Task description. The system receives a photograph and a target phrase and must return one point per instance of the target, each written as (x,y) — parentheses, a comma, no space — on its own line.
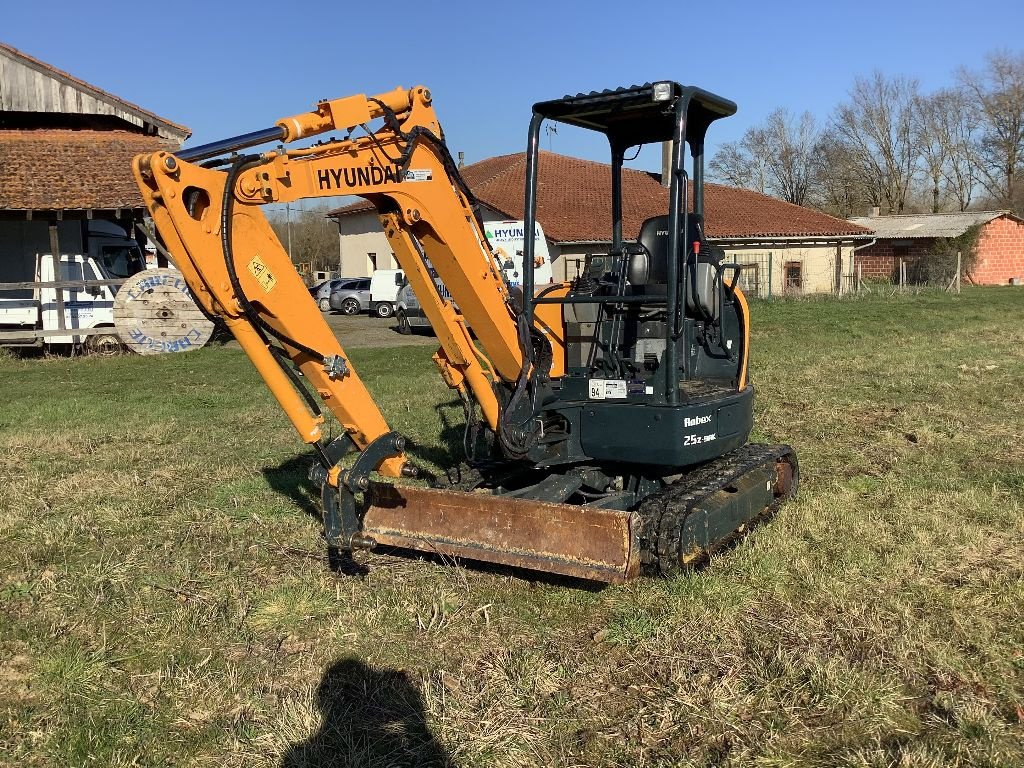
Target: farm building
(65,159)
(788,249)
(912,239)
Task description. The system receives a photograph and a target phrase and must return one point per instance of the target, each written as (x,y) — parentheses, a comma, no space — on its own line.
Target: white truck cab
(384,285)
(107,253)
(84,308)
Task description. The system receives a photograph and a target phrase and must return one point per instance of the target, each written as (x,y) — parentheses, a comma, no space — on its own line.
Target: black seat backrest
(654,238)
(700,272)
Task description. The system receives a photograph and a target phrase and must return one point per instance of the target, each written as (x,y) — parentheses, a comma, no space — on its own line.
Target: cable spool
(155,314)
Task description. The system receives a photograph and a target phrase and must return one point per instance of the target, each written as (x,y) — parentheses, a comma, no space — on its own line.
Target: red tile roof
(60,74)
(574,202)
(59,169)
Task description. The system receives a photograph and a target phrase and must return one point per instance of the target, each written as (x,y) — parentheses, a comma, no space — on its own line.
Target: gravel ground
(367,331)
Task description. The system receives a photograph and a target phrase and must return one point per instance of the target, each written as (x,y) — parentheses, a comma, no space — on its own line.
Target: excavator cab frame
(664,111)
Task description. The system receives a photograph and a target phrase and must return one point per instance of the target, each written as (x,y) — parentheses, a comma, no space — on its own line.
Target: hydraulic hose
(227,206)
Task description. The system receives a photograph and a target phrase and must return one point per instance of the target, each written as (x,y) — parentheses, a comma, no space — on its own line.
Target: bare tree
(314,237)
(997,93)
(789,150)
(841,188)
(775,158)
(944,127)
(875,126)
(961,128)
(736,165)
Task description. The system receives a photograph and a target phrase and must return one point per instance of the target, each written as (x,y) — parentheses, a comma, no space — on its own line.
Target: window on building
(756,269)
(749,280)
(373,261)
(792,274)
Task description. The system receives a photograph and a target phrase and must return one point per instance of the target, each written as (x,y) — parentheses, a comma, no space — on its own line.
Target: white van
(507,239)
(384,285)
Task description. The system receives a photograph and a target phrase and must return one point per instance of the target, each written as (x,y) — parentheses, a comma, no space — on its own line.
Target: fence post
(769,274)
(903,276)
(839,269)
(55,255)
(860,278)
(958,267)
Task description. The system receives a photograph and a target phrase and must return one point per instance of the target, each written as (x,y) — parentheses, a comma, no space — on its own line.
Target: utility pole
(288,218)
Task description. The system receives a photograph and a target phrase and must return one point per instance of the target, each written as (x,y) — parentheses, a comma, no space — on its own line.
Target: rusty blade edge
(607,575)
(593,544)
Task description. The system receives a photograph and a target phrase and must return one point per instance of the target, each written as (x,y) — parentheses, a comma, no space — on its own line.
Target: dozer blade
(582,542)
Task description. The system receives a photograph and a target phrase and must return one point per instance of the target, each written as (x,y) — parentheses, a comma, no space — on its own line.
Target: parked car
(321,292)
(351,299)
(384,285)
(409,311)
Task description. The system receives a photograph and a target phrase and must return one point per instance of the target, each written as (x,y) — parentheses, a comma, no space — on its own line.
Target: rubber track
(663,514)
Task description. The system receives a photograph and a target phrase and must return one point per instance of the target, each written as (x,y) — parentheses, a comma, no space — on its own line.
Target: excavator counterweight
(614,408)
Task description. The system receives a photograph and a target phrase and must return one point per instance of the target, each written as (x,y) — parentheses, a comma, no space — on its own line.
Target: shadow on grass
(291,479)
(368,717)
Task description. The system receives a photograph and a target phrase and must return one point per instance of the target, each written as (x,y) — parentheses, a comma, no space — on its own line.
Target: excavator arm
(208,213)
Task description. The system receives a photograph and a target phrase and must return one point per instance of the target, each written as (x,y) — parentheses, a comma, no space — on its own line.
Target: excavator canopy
(640,114)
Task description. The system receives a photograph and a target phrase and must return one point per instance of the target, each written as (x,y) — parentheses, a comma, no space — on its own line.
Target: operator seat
(647,271)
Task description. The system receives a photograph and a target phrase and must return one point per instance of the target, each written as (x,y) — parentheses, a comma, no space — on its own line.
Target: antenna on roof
(549,129)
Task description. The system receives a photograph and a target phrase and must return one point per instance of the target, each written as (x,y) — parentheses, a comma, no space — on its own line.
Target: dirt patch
(366,331)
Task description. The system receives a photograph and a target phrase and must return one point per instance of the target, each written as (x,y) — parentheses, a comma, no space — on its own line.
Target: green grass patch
(165,597)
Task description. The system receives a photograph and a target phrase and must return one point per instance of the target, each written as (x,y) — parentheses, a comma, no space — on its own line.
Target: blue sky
(224,68)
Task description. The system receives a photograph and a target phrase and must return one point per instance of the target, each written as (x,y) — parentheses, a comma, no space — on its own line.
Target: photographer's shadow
(368,718)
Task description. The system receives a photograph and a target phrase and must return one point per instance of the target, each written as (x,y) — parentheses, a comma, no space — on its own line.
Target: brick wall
(881,261)
(1000,252)
(1000,255)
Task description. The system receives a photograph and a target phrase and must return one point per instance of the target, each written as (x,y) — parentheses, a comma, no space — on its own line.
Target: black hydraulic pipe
(530,215)
(617,157)
(676,210)
(233,144)
(698,181)
(654,301)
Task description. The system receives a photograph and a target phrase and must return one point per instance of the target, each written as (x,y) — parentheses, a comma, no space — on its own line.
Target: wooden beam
(33,333)
(55,255)
(65,284)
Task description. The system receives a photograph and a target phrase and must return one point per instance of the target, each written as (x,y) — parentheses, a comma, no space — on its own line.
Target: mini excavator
(607,417)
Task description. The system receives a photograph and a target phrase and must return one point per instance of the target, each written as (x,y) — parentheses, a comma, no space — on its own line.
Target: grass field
(164,598)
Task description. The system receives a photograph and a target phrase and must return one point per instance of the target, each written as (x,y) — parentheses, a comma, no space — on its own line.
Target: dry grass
(165,599)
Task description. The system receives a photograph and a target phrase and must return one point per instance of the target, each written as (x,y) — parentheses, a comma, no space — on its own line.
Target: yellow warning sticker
(262,274)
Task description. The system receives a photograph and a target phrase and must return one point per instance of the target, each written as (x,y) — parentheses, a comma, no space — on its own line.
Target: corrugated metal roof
(926,225)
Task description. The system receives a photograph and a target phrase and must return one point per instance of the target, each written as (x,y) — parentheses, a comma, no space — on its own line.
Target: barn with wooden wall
(65,158)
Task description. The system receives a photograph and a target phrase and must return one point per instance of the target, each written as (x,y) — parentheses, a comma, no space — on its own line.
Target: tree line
(893,146)
(308,236)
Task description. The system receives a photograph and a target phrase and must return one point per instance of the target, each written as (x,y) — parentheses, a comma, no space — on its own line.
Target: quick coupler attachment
(341,510)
